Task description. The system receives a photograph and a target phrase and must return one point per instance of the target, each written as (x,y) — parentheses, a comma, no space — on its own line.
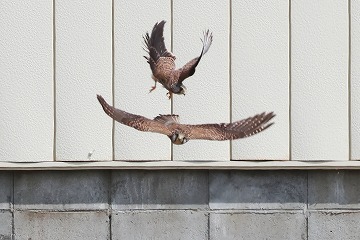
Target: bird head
(179,89)
(178,138)
(183,89)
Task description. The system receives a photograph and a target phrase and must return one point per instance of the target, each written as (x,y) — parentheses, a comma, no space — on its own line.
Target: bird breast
(164,67)
(180,133)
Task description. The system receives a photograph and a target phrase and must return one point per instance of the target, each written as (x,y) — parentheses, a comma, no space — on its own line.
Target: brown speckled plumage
(180,133)
(162,62)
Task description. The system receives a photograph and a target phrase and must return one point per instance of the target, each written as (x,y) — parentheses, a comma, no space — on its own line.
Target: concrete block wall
(179,204)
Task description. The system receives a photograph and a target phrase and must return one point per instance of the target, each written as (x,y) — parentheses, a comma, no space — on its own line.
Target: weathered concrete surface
(62,190)
(167,224)
(334,225)
(334,189)
(174,204)
(61,225)
(6,183)
(172,189)
(258,225)
(5,225)
(257,189)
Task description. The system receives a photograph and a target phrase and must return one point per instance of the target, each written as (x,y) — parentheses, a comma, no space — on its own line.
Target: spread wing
(228,131)
(155,45)
(135,121)
(189,68)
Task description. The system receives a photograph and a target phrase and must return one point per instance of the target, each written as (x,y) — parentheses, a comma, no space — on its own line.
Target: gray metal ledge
(156,165)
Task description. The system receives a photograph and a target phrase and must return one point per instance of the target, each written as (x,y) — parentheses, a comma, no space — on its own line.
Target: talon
(152,88)
(169,95)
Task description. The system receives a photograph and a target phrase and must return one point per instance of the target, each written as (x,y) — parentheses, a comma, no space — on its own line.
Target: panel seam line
(349,79)
(230,75)
(54,80)
(172,50)
(113,77)
(290,80)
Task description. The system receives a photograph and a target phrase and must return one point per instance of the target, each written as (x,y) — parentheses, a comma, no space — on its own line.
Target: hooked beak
(183,89)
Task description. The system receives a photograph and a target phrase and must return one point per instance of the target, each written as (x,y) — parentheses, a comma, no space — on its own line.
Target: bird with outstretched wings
(162,61)
(180,133)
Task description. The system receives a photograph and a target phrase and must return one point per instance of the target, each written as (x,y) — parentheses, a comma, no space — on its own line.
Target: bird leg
(169,95)
(153,87)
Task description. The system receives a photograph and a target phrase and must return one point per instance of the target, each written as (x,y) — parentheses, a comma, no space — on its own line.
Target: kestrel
(181,133)
(162,62)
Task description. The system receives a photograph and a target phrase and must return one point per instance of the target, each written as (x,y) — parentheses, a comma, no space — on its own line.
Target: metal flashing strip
(205,165)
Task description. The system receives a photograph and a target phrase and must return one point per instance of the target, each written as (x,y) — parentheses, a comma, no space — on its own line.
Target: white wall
(83,67)
(319,82)
(26,89)
(290,57)
(355,80)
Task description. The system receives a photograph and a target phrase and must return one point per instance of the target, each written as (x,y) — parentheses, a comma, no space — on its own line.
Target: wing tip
(256,124)
(161,23)
(99,98)
(207,41)
(266,117)
(105,106)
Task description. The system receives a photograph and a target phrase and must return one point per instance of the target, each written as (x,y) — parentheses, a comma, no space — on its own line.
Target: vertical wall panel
(208,95)
(260,75)
(133,78)
(355,80)
(83,69)
(26,98)
(319,87)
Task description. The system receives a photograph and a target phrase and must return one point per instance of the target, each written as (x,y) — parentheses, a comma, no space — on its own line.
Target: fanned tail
(168,118)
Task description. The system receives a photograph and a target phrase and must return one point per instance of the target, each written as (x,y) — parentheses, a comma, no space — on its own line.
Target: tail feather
(168,118)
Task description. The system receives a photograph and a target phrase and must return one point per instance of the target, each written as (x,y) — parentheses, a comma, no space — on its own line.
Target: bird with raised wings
(181,133)
(162,62)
